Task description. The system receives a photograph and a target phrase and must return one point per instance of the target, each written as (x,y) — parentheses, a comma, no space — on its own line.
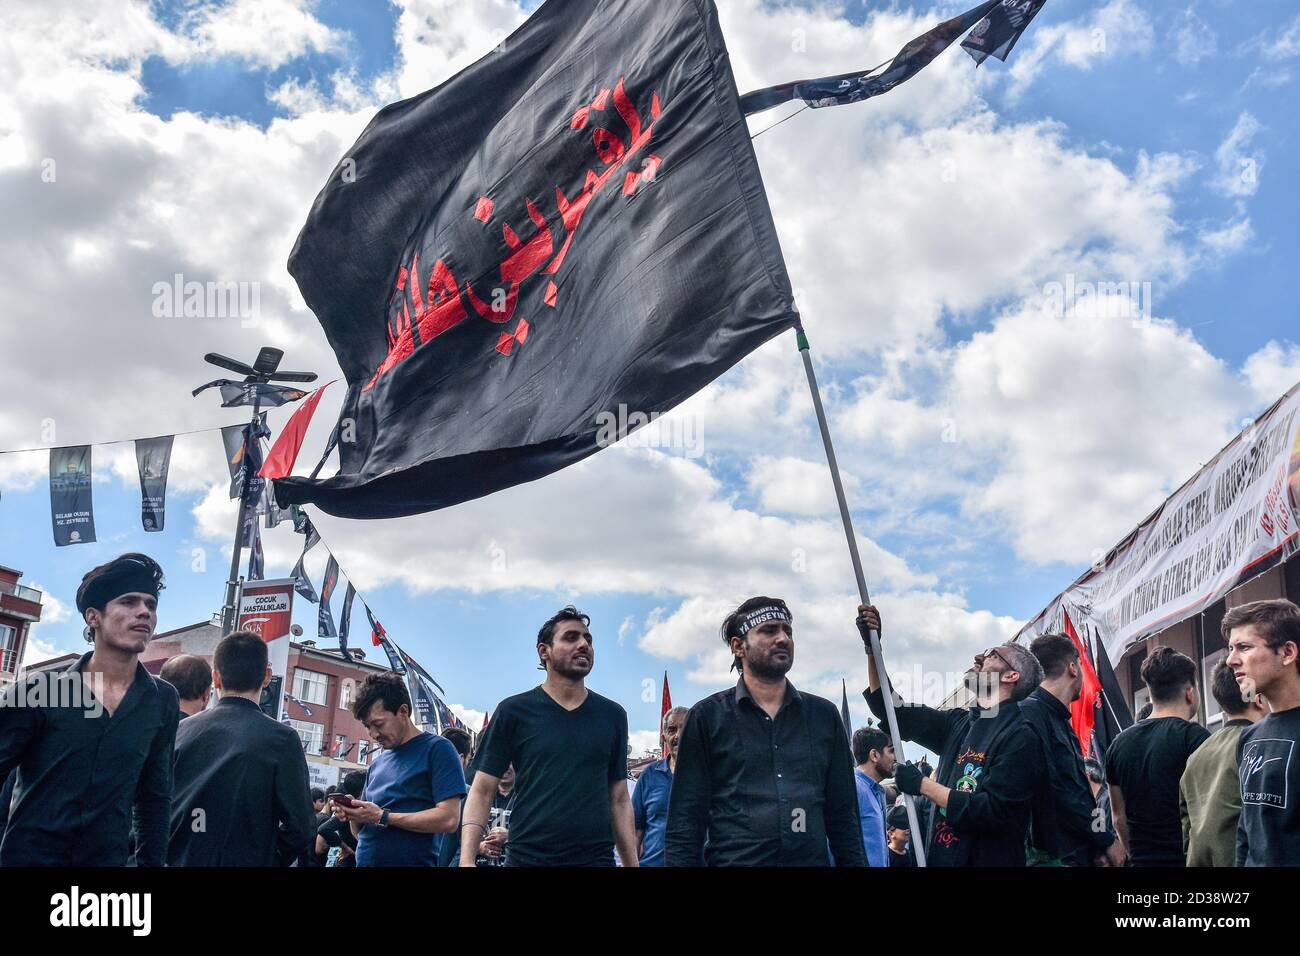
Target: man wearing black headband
(764,775)
(93,743)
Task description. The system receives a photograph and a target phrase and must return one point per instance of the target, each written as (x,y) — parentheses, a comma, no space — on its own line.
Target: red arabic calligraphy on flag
(423,317)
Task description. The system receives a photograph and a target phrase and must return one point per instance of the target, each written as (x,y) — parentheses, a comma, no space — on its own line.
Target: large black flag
(997,33)
(152,458)
(72,509)
(845,88)
(573,224)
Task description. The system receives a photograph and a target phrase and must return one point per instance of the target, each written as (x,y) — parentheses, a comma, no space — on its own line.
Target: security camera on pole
(256,377)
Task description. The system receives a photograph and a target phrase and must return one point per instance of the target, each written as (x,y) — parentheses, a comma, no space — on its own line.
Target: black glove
(865,631)
(908,777)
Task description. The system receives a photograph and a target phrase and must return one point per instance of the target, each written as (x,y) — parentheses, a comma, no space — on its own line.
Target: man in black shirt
(192,678)
(1146,761)
(990,759)
(568,746)
(242,792)
(1068,827)
(1264,652)
(764,776)
(93,743)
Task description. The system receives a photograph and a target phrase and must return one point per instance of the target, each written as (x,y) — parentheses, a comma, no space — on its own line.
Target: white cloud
(1277,45)
(1238,166)
(641,742)
(1272,371)
(1120,28)
(473,719)
(268,33)
(1194,39)
(789,485)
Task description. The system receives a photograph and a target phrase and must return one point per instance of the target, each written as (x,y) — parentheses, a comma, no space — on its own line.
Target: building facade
(320,686)
(20,608)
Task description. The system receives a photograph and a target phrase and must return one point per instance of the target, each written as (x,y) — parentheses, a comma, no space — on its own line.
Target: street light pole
(262,371)
(229,609)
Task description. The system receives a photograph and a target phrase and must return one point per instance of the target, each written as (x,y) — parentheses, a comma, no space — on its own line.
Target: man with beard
(568,746)
(1068,828)
(650,798)
(990,760)
(874,755)
(764,776)
(93,743)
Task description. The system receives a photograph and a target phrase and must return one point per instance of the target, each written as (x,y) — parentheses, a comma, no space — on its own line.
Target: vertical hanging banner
(299,572)
(256,559)
(324,616)
(345,621)
(266,609)
(72,510)
(379,637)
(572,225)
(232,437)
(423,711)
(152,458)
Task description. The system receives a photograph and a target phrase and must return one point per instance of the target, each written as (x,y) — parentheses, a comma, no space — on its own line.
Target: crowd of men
(105,765)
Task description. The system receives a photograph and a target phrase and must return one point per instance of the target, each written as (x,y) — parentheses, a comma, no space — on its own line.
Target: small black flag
(915,56)
(997,33)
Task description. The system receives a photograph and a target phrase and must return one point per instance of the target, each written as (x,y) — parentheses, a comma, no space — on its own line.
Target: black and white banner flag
(152,458)
(72,511)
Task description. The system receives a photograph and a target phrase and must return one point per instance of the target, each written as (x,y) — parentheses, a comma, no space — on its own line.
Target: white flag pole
(887,692)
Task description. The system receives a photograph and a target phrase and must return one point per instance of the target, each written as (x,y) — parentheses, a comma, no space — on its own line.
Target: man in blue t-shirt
(414,787)
(874,755)
(653,787)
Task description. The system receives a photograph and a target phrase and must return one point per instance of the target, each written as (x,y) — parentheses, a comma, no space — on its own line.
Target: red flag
(284,452)
(663,711)
(485,720)
(1084,710)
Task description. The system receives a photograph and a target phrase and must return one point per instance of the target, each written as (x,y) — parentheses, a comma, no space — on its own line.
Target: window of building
(345,694)
(363,752)
(340,746)
(309,686)
(312,734)
(8,649)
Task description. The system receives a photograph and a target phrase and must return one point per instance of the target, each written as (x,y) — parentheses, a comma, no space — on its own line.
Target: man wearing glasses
(990,759)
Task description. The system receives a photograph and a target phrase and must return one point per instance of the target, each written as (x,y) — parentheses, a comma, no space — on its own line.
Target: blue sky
(1125,129)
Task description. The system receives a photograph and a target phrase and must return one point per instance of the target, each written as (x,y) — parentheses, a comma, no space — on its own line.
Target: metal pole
(228,612)
(887,692)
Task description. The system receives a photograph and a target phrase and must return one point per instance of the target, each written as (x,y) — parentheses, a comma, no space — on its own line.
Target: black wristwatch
(383,819)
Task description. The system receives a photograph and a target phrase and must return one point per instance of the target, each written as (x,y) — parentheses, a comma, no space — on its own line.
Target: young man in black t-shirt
(568,746)
(1146,761)
(1264,652)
